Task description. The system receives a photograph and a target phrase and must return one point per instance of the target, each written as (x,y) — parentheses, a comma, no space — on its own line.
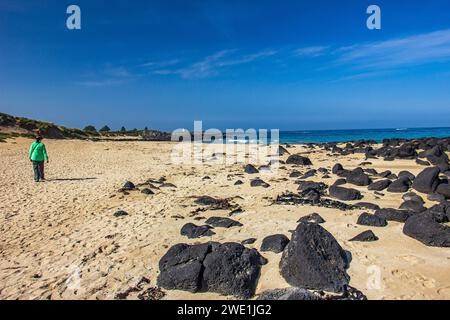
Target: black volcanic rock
(128,186)
(228,269)
(366,236)
(291,293)
(400,185)
(259,183)
(193,231)
(298,160)
(120,213)
(427,181)
(379,185)
(424,228)
(394,214)
(358,177)
(444,190)
(312,218)
(275,243)
(221,222)
(250,169)
(366,219)
(344,194)
(313,259)
(413,206)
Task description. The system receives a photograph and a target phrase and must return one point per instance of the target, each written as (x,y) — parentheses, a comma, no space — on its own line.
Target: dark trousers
(38,168)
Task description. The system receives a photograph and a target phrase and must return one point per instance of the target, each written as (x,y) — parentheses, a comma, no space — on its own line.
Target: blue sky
(237,63)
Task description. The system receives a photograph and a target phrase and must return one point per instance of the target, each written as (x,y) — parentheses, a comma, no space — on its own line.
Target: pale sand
(48,228)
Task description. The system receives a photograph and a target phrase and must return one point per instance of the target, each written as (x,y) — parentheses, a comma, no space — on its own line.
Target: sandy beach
(50,229)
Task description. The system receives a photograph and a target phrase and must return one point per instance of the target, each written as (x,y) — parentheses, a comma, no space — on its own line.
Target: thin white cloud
(407,51)
(160,64)
(311,51)
(213,64)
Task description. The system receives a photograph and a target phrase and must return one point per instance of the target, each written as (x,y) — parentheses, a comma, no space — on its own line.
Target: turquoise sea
(317,136)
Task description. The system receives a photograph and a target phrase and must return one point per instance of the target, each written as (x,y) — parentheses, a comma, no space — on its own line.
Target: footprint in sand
(444,292)
(417,278)
(412,259)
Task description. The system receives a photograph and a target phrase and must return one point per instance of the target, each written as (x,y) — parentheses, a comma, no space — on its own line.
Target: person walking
(37,155)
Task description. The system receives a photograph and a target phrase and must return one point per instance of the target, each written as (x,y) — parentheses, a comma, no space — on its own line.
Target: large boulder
(275,243)
(228,269)
(232,269)
(344,194)
(299,160)
(313,259)
(424,228)
(427,181)
(181,267)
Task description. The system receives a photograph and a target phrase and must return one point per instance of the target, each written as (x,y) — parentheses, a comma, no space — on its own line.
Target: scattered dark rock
(400,185)
(436,197)
(295,174)
(407,174)
(340,182)
(358,178)
(282,151)
(181,267)
(313,259)
(344,194)
(422,162)
(298,160)
(275,243)
(120,213)
(291,293)
(249,241)
(309,174)
(444,190)
(393,214)
(366,219)
(366,236)
(427,181)
(167,185)
(193,231)
(250,169)
(413,206)
(228,269)
(239,182)
(312,218)
(259,183)
(379,185)
(128,186)
(424,228)
(411,196)
(385,174)
(220,222)
(147,191)
(295,199)
(232,269)
(367,205)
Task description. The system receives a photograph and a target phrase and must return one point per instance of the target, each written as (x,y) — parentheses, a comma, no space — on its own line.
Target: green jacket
(38,152)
